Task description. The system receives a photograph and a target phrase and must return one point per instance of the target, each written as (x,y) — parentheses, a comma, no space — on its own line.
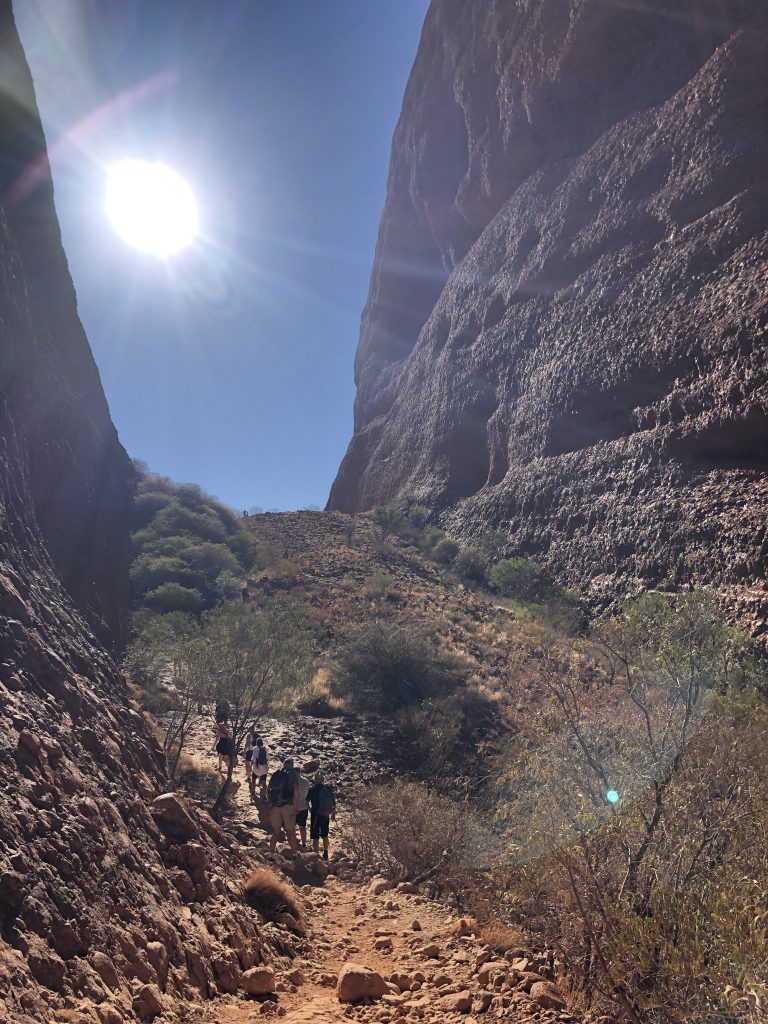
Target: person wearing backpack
(301,816)
(283,805)
(259,769)
(322,804)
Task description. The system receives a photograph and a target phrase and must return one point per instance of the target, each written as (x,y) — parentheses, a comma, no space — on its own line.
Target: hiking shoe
(325,855)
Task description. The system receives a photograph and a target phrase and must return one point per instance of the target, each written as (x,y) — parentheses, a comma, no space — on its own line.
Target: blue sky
(230,365)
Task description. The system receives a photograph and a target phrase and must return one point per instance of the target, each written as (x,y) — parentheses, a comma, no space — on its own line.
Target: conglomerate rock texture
(107,911)
(565,335)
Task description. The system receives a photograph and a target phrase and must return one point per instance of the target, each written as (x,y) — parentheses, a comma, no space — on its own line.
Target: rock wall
(113,904)
(70,473)
(565,331)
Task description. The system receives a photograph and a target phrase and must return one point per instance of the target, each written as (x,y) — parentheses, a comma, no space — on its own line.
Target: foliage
(172,597)
(410,833)
(445,551)
(379,584)
(169,653)
(383,668)
(519,578)
(387,518)
(188,548)
(254,661)
(432,536)
(492,545)
(637,810)
(470,564)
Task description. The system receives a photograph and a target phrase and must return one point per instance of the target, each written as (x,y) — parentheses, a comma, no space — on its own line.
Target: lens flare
(151,207)
(612,796)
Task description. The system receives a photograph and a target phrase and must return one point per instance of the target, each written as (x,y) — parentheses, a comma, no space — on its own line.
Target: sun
(151,207)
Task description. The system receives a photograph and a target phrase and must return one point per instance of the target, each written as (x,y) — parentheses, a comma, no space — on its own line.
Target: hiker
(283,804)
(249,765)
(259,769)
(224,747)
(322,803)
(303,811)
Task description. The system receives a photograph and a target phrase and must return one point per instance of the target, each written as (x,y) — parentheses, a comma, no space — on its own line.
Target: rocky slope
(565,331)
(115,903)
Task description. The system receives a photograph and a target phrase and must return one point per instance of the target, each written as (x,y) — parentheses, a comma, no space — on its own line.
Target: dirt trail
(445,972)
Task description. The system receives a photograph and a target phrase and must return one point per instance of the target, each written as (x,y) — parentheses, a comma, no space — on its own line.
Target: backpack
(325,800)
(249,754)
(280,788)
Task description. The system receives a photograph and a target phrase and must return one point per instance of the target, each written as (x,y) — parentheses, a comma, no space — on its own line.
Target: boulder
(173,818)
(356,982)
(379,885)
(106,970)
(457,1002)
(259,981)
(547,995)
(148,1002)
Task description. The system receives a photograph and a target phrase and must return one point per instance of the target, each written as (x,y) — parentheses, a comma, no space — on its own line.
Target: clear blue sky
(231,365)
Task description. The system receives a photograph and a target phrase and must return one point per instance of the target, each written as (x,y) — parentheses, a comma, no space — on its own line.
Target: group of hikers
(291,797)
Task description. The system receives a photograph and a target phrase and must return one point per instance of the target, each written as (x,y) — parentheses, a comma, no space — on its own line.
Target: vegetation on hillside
(189,551)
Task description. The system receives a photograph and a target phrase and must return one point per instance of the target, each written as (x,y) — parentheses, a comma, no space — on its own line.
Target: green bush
(185,537)
(445,551)
(173,597)
(379,584)
(519,578)
(470,564)
(431,536)
(383,668)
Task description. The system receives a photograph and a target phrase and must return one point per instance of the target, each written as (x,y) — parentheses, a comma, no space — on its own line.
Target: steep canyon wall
(96,880)
(565,334)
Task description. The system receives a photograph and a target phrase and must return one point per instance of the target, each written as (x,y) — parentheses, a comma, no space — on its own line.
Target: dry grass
(197,778)
(502,937)
(272,897)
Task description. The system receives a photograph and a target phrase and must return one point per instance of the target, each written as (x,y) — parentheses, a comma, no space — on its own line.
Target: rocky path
(416,961)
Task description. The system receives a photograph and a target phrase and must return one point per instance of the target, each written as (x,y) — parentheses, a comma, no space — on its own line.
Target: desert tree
(636,801)
(169,653)
(258,659)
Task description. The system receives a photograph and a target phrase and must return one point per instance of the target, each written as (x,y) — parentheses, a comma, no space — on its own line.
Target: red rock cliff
(95,871)
(565,330)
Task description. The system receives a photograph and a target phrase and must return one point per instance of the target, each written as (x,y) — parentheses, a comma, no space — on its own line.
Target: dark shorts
(319,825)
(301,819)
(224,747)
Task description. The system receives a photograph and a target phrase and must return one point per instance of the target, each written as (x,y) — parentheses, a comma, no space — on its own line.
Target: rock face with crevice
(565,331)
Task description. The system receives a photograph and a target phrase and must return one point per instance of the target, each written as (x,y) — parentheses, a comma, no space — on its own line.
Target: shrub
(383,668)
(492,545)
(431,536)
(470,564)
(445,551)
(519,578)
(641,804)
(379,584)
(410,833)
(388,518)
(271,896)
(173,597)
